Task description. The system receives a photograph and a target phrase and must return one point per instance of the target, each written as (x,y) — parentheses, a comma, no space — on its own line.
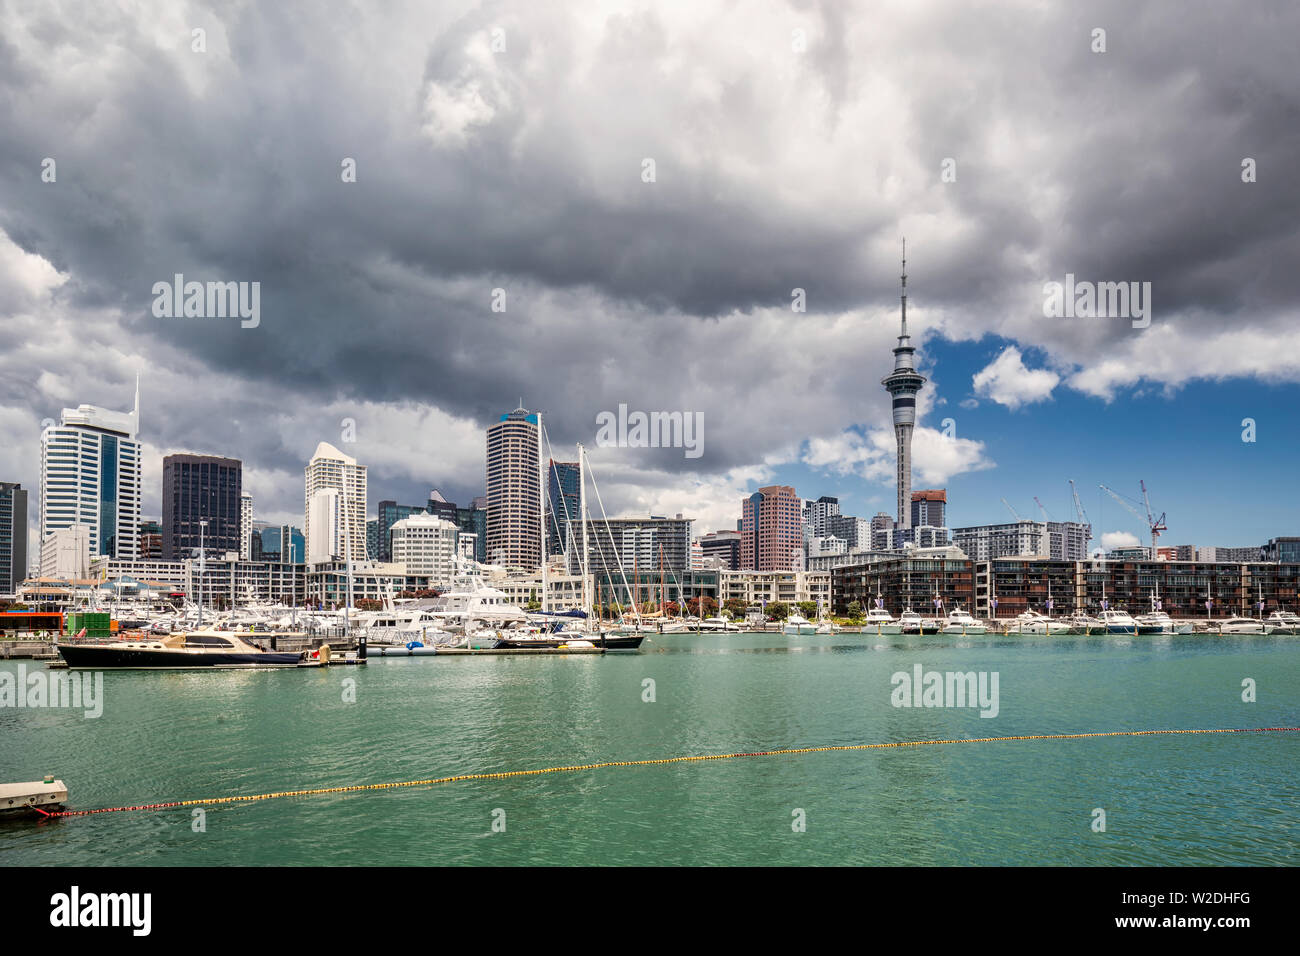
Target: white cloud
(1007,381)
(936,458)
(1119,539)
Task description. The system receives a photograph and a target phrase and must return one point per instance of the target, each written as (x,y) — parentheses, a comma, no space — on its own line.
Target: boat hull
(105,657)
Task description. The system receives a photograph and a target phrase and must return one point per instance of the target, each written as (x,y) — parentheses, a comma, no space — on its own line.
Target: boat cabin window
(205,640)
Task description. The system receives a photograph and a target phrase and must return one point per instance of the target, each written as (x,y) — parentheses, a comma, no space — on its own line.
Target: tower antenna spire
(904,277)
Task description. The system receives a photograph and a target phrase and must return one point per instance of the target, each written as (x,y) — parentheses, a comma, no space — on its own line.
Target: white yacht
(882,622)
(1158,622)
(961,622)
(1118,622)
(1242,625)
(910,622)
(719,624)
(798,624)
(1284,622)
(1032,622)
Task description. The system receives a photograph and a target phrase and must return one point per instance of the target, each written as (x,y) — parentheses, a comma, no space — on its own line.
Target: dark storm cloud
(522,170)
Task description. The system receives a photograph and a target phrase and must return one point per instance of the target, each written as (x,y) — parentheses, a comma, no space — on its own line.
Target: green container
(96,624)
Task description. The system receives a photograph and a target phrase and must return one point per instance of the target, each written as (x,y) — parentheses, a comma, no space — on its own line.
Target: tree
(807,608)
(855,609)
(736,607)
(776,611)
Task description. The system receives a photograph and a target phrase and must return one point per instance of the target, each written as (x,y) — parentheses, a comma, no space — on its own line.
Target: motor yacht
(961,622)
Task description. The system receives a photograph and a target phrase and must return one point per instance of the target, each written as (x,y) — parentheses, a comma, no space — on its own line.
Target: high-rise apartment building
(151,546)
(771,535)
(13,536)
(245,526)
(514,474)
(90,476)
(201,505)
(929,508)
(390,512)
(649,545)
(335,525)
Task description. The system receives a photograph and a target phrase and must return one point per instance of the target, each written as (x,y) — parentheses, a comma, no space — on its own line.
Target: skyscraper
(514,475)
(903,384)
(562,500)
(771,533)
(200,488)
(334,525)
(90,475)
(13,536)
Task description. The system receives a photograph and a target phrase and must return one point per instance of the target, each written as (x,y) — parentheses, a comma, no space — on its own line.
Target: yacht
(1158,622)
(1082,623)
(961,622)
(910,622)
(1117,622)
(1243,625)
(212,649)
(797,624)
(882,622)
(719,624)
(1284,622)
(1032,622)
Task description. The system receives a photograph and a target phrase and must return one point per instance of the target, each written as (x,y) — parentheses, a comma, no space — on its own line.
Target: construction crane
(1012,510)
(1155,524)
(1046,517)
(1078,505)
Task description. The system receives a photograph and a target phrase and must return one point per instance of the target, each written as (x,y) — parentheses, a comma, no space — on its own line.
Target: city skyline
(676,288)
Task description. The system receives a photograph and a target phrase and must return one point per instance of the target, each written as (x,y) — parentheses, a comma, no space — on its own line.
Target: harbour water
(1176,800)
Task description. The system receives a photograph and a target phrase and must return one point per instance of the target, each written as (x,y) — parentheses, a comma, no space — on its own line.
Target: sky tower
(903,384)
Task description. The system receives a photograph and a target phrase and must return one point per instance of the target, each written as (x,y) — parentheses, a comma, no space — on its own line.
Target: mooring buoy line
(505,775)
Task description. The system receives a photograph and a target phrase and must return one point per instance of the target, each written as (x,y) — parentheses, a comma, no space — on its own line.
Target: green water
(1179,800)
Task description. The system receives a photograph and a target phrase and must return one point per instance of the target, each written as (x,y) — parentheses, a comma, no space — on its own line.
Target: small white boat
(961,622)
(1031,622)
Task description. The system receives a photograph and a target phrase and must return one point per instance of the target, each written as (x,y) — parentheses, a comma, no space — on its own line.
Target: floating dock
(49,794)
(476,651)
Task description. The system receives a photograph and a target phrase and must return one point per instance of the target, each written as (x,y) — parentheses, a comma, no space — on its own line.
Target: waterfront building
(563,590)
(327,584)
(771,535)
(621,589)
(91,476)
(340,531)
(514,474)
(151,546)
(245,526)
(722,546)
(1237,555)
(195,489)
(426,545)
(13,536)
(650,543)
(563,498)
(910,579)
(767,587)
(903,384)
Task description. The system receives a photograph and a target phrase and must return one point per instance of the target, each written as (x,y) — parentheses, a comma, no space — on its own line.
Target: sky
(583,206)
